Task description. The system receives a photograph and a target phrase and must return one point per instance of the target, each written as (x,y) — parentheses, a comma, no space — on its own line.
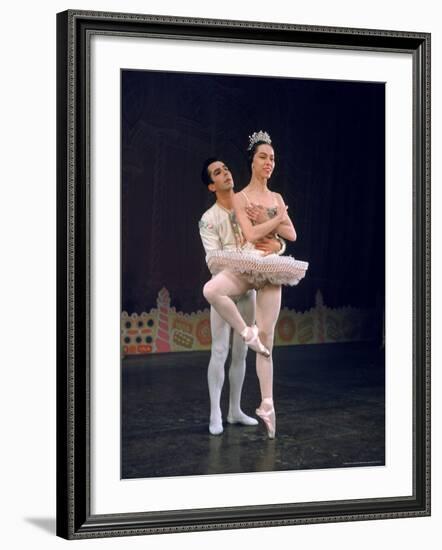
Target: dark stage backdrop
(329,140)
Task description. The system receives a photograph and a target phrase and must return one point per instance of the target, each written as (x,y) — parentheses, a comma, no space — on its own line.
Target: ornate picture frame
(76,518)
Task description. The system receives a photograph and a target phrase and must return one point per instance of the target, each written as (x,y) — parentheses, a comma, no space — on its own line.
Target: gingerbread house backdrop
(164,330)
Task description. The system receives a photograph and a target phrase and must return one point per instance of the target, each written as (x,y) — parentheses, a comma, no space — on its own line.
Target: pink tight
(218,292)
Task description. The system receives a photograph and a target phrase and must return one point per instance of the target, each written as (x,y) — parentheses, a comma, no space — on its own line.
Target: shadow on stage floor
(329,400)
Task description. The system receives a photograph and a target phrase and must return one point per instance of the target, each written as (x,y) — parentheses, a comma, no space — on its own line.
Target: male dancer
(219,230)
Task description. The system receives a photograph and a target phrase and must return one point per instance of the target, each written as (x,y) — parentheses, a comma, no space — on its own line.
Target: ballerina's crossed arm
(280,224)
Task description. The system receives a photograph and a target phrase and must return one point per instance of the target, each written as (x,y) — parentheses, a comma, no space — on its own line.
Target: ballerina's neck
(258,183)
(258,194)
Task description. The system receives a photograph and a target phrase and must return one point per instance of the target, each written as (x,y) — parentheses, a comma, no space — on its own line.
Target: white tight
(218,292)
(221,331)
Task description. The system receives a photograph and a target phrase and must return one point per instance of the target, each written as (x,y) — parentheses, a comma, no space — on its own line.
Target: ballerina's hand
(256,213)
(282,212)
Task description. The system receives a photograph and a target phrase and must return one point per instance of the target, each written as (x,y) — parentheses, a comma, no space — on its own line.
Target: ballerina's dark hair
(251,152)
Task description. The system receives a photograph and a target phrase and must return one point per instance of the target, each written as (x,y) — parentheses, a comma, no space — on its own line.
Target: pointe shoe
(269,419)
(254,342)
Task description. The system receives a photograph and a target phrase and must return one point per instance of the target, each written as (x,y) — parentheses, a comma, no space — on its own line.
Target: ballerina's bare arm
(285,229)
(253,233)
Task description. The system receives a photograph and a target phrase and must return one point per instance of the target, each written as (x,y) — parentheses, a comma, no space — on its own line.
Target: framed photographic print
(243,274)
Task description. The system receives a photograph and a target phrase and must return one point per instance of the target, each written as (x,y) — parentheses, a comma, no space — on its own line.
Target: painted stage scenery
(252,266)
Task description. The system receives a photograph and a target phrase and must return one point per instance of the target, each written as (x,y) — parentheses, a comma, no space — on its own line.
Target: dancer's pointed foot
(266,412)
(251,338)
(241,418)
(216,425)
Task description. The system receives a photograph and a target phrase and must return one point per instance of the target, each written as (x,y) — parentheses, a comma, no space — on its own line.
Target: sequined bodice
(271,210)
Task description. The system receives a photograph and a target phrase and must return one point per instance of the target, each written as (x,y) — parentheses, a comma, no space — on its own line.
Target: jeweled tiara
(258,136)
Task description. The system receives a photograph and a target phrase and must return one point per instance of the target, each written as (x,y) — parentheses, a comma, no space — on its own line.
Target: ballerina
(217,232)
(236,271)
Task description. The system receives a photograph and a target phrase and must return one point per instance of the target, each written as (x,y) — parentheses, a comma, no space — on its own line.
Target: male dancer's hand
(268,245)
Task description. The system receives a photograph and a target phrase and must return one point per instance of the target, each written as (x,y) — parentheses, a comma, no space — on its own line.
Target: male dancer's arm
(211,239)
(209,235)
(271,245)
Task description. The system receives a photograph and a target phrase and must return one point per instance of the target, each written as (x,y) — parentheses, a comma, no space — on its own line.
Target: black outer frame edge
(426,239)
(421,276)
(214,28)
(202,520)
(252,31)
(62,286)
(81,289)
(72,379)
(76,522)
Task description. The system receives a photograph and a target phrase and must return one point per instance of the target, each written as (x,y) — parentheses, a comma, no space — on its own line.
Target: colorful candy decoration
(163,304)
(203,333)
(164,329)
(137,333)
(286,328)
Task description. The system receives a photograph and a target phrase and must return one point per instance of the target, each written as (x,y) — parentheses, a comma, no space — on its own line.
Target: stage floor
(329,400)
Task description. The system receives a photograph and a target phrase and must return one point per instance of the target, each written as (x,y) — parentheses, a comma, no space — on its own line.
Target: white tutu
(256,268)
